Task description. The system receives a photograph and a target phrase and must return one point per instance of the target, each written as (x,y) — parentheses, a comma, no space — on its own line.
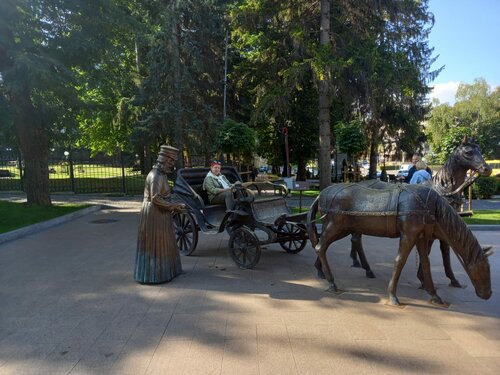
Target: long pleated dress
(157,258)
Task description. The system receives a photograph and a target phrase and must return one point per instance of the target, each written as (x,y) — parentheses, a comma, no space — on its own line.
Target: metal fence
(77,171)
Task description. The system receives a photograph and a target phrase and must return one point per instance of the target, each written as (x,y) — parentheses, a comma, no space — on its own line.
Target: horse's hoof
(394,301)
(333,289)
(437,301)
(355,263)
(455,284)
(370,274)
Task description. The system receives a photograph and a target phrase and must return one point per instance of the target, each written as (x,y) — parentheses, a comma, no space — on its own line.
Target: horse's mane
(458,234)
(443,180)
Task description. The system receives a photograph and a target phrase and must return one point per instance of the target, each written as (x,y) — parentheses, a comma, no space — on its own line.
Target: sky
(466,36)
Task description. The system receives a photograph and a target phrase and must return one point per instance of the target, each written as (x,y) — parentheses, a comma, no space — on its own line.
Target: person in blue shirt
(414,159)
(421,175)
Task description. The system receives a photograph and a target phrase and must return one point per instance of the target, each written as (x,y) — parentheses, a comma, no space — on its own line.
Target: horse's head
(479,274)
(470,157)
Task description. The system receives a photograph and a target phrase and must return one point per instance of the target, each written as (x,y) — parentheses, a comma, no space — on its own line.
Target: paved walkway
(69,305)
(131,201)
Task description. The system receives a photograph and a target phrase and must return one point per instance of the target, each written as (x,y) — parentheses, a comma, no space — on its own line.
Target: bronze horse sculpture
(450,181)
(414,213)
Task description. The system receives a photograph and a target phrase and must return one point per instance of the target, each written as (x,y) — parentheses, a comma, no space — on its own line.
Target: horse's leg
(357,246)
(423,251)
(328,235)
(319,268)
(355,240)
(326,269)
(420,273)
(405,246)
(445,253)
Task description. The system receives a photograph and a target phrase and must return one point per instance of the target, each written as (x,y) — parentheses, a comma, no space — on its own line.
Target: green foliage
(237,139)
(351,137)
(486,187)
(134,74)
(181,89)
(451,141)
(46,47)
(476,113)
(483,188)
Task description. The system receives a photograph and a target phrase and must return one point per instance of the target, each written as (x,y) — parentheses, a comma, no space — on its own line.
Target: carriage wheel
(293,230)
(244,247)
(186,232)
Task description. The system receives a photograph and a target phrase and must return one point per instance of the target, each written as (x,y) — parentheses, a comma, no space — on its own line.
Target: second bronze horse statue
(414,213)
(450,181)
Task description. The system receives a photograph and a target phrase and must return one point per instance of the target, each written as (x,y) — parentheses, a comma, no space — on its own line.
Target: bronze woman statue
(157,258)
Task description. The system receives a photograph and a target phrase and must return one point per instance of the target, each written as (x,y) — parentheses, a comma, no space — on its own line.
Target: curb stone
(38,227)
(483,227)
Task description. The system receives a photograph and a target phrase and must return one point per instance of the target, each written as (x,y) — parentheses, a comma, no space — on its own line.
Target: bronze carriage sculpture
(259,218)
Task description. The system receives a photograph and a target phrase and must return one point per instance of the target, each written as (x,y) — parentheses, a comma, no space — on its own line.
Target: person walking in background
(421,174)
(414,159)
(157,258)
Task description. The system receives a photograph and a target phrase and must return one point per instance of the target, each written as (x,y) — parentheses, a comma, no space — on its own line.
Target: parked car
(263,169)
(403,170)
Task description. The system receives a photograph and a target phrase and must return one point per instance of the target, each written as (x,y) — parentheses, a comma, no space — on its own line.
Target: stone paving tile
(181,327)
(240,357)
(22,358)
(473,342)
(314,355)
(169,357)
(204,357)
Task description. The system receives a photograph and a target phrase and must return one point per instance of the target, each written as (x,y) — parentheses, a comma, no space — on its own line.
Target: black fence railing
(77,171)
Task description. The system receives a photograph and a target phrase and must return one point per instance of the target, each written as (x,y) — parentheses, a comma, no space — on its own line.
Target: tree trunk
(176,45)
(34,144)
(325,137)
(372,173)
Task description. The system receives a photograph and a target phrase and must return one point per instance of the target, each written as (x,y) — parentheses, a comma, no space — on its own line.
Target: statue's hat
(168,151)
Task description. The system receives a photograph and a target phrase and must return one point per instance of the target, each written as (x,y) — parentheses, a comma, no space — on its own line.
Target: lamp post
(287,152)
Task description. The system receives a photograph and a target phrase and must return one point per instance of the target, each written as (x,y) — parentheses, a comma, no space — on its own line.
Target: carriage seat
(195,181)
(194,178)
(268,210)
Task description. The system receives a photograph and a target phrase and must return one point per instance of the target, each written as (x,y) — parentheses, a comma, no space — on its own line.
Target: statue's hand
(179,207)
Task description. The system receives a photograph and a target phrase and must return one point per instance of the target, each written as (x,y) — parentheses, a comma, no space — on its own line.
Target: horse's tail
(311,223)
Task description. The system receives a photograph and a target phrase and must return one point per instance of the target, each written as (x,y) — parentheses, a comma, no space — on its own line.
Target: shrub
(486,187)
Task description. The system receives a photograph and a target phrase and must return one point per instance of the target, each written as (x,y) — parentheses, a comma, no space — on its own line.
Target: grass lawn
(17,215)
(484,217)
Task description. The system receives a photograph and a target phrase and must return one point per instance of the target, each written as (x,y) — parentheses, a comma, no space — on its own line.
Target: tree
(181,91)
(350,137)
(389,69)
(237,139)
(475,113)
(43,46)
(374,64)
